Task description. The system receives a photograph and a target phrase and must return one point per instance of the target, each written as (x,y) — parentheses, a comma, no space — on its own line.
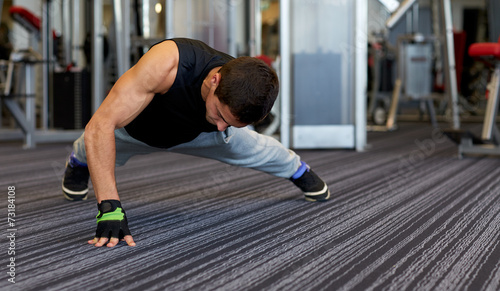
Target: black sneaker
(75,182)
(314,188)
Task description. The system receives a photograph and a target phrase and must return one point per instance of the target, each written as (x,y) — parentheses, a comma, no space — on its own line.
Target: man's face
(219,114)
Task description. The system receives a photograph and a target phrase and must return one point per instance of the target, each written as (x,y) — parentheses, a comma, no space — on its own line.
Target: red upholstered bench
(485,49)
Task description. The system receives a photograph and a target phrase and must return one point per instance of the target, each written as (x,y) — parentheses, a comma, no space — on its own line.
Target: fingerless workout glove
(111,220)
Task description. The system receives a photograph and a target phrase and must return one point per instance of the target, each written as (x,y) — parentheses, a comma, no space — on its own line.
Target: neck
(207,83)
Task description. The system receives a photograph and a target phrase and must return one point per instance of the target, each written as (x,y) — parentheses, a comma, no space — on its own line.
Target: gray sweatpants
(235,146)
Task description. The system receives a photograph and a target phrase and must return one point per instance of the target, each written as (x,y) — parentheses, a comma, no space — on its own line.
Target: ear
(216,79)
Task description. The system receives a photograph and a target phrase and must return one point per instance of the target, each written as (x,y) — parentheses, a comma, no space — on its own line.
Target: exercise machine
(414,53)
(18,82)
(489,141)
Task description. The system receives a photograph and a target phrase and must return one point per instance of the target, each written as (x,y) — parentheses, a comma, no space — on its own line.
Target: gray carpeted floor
(405,215)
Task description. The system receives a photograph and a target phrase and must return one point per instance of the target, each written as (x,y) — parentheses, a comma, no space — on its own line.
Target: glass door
(324,53)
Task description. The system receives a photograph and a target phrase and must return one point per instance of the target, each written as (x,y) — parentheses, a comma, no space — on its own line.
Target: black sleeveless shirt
(178,116)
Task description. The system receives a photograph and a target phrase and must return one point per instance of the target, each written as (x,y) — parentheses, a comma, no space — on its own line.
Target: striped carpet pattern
(406,214)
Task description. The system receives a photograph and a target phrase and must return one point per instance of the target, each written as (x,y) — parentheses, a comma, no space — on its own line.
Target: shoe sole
(75,195)
(316,196)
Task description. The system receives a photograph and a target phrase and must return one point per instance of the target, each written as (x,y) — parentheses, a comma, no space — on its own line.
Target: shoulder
(184,43)
(189,48)
(158,66)
(166,50)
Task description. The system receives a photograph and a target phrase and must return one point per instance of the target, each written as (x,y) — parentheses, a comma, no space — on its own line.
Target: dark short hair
(249,87)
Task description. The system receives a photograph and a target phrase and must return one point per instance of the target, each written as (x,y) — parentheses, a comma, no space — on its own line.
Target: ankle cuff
(302,169)
(75,162)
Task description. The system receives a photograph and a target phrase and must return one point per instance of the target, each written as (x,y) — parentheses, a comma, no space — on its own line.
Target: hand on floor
(112,225)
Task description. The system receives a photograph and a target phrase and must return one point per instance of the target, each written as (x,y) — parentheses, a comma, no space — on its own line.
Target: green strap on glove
(117,214)
(111,220)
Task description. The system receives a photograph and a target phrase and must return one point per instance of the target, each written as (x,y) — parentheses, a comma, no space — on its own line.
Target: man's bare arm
(154,73)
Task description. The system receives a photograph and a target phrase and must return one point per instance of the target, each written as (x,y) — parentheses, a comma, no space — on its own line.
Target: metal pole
(75,24)
(258,29)
(30,106)
(211,24)
(360,12)
(415,17)
(126,35)
(437,42)
(146,26)
(119,43)
(409,22)
(450,72)
(97,55)
(285,92)
(66,31)
(169,18)
(255,31)
(47,50)
(231,29)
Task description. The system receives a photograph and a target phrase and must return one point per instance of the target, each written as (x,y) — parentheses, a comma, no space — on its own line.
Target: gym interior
(393,103)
